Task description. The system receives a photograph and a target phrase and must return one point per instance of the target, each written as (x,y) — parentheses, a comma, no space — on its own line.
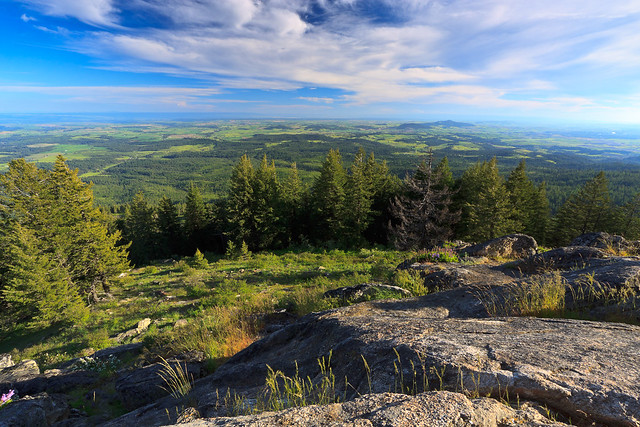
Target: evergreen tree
(385,187)
(292,207)
(169,229)
(423,216)
(265,207)
(443,172)
(138,227)
(587,210)
(529,204)
(240,201)
(540,218)
(195,220)
(627,219)
(521,195)
(328,198)
(359,199)
(57,248)
(484,202)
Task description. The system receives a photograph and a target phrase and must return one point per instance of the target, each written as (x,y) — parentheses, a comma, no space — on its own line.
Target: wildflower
(6,398)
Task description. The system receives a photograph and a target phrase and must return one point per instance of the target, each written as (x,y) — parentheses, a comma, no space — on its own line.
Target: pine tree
(586,211)
(138,227)
(195,220)
(240,201)
(484,201)
(328,198)
(521,195)
(628,218)
(385,187)
(57,248)
(291,207)
(358,201)
(265,207)
(443,172)
(540,218)
(423,216)
(529,204)
(171,238)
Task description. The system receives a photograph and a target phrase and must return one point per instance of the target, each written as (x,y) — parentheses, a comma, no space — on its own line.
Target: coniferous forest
(60,249)
(362,204)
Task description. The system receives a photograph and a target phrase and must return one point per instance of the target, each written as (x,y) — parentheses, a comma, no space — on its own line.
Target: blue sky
(573,60)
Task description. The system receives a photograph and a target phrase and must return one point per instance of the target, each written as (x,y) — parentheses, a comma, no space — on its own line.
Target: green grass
(220,302)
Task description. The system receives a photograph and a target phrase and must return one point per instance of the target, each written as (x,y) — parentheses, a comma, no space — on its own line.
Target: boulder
(25,370)
(510,246)
(5,361)
(142,326)
(612,272)
(587,371)
(431,409)
(561,259)
(605,241)
(119,351)
(34,411)
(366,291)
(142,386)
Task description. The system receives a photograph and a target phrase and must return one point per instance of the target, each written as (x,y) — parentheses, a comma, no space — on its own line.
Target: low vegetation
(218,308)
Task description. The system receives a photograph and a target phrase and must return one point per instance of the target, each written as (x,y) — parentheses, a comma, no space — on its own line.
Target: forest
(364,204)
(61,249)
(165,158)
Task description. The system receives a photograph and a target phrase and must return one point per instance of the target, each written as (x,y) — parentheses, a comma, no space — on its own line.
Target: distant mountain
(444,123)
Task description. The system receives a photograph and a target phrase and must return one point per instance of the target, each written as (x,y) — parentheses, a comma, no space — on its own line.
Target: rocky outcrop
(23,371)
(5,361)
(142,386)
(367,291)
(142,326)
(35,411)
(578,368)
(26,378)
(561,259)
(606,241)
(510,246)
(431,409)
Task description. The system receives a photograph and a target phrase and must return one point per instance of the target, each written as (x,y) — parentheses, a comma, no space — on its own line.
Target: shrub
(438,255)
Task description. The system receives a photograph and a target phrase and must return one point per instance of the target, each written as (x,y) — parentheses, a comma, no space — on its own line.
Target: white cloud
(323,100)
(94,12)
(27,18)
(125,95)
(471,52)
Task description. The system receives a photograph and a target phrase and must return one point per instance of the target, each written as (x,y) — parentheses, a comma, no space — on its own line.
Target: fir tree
(264,231)
(291,207)
(423,216)
(385,187)
(57,248)
(484,201)
(587,210)
(443,172)
(138,227)
(171,238)
(195,219)
(358,201)
(240,201)
(328,198)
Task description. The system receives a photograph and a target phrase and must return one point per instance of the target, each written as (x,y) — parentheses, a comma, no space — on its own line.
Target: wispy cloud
(93,12)
(27,18)
(177,96)
(469,52)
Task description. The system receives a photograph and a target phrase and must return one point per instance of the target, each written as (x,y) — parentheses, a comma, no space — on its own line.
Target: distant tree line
(364,204)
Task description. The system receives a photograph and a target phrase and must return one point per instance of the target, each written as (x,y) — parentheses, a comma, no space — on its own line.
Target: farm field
(165,157)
